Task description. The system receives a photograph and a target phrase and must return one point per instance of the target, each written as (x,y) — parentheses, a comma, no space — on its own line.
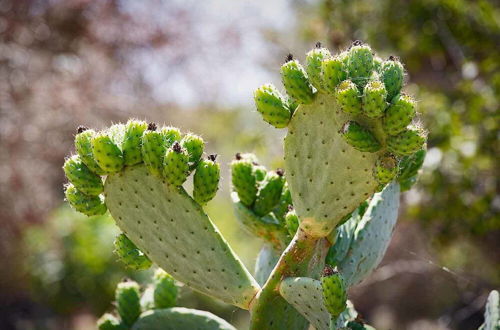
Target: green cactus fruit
(377,63)
(117,134)
(128,302)
(392,75)
(194,145)
(334,291)
(292,222)
(314,58)
(180,318)
(206,180)
(272,106)
(334,72)
(284,204)
(399,115)
(176,165)
(88,205)
(243,180)
(109,322)
(81,177)
(132,142)
(130,254)
(165,290)
(259,172)
(408,169)
(406,142)
(170,134)
(348,97)
(106,153)
(359,63)
(296,83)
(359,137)
(153,150)
(83,147)
(374,99)
(270,193)
(386,169)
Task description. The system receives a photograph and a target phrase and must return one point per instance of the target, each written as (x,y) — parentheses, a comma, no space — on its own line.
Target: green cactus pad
(88,205)
(306,295)
(153,150)
(386,169)
(372,236)
(266,260)
(343,238)
(359,63)
(492,312)
(269,194)
(244,181)
(165,290)
(83,147)
(110,322)
(176,165)
(314,59)
(296,83)
(128,302)
(349,97)
(374,97)
(407,142)
(180,318)
(334,72)
(334,291)
(206,180)
(292,222)
(194,145)
(399,115)
(106,153)
(360,137)
(272,106)
(158,217)
(392,75)
(327,177)
(81,177)
(129,254)
(132,141)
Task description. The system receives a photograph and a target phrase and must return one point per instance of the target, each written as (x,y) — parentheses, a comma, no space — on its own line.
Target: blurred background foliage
(65,63)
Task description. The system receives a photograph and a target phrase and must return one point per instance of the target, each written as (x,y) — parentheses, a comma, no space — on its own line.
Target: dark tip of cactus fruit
(255,163)
(290,207)
(289,58)
(280,172)
(237,156)
(152,127)
(318,44)
(393,58)
(176,147)
(81,129)
(329,271)
(357,43)
(212,157)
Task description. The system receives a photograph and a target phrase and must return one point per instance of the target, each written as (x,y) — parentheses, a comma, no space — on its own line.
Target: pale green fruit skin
(194,146)
(399,115)
(272,106)
(333,72)
(132,142)
(292,222)
(360,137)
(374,97)
(153,150)
(176,166)
(386,169)
(165,290)
(88,205)
(106,153)
(83,147)
(206,181)
(407,142)
(392,75)
(349,98)
(244,181)
(130,254)
(128,302)
(296,83)
(314,59)
(269,194)
(334,293)
(81,177)
(360,64)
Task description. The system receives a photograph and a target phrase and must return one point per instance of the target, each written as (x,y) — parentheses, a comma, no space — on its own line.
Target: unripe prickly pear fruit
(153,150)
(176,165)
(359,137)
(83,147)
(359,63)
(296,83)
(81,177)
(386,169)
(194,145)
(117,134)
(392,75)
(272,106)
(406,142)
(165,290)
(348,97)
(109,322)
(130,254)
(283,205)
(408,169)
(128,302)
(374,97)
(314,58)
(377,63)
(132,142)
(88,205)
(243,179)
(106,153)
(270,193)
(334,291)
(170,135)
(334,72)
(260,172)
(399,115)
(206,180)
(292,222)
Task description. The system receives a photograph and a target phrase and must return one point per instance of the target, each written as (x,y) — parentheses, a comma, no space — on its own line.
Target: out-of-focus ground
(194,65)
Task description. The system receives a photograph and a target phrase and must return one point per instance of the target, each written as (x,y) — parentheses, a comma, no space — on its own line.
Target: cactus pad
(266,260)
(179,318)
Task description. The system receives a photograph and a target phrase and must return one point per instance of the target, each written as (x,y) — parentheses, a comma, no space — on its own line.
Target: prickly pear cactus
(492,312)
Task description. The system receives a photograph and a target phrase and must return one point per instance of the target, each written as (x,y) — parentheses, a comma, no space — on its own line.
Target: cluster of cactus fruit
(325,220)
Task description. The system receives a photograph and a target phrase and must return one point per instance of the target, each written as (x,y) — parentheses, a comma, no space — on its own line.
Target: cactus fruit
(176,165)
(244,181)
(132,142)
(206,180)
(88,205)
(374,96)
(409,167)
(392,74)
(386,169)
(334,72)
(270,193)
(106,153)
(295,80)
(194,147)
(399,115)
(129,254)
(83,147)
(259,172)
(109,322)
(314,59)
(170,134)
(334,291)
(292,222)
(284,204)
(165,290)
(349,98)
(272,106)
(359,137)
(153,149)
(359,63)
(180,318)
(128,302)
(81,177)
(407,142)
